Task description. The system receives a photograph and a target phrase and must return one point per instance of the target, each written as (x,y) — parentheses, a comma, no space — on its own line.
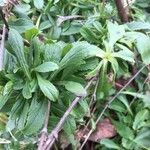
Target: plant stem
(54,134)
(122,11)
(2,49)
(44,131)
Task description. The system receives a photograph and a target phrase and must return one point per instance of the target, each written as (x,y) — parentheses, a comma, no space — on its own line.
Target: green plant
(64,61)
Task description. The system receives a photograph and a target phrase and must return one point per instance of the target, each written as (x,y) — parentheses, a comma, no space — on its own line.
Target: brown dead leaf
(104,129)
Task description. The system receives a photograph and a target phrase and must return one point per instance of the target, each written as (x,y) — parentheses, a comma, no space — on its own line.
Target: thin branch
(61,19)
(5,141)
(3,18)
(107,105)
(2,49)
(54,134)
(44,130)
(122,11)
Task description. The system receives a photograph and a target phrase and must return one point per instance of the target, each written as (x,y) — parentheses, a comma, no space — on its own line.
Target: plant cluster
(54,49)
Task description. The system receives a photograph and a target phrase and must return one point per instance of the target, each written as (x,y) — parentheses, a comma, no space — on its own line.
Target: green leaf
(117,106)
(143,138)
(23,116)
(114,64)
(126,103)
(48,89)
(89,35)
(90,64)
(109,144)
(144,97)
(53,52)
(15,113)
(140,117)
(81,109)
(45,25)
(115,32)
(29,34)
(47,67)
(125,53)
(73,29)
(75,88)
(6,94)
(8,87)
(4,99)
(35,44)
(98,26)
(128,144)
(55,32)
(36,117)
(17,108)
(38,3)
(26,92)
(16,42)
(21,25)
(79,52)
(138,25)
(70,125)
(94,71)
(143,46)
(124,130)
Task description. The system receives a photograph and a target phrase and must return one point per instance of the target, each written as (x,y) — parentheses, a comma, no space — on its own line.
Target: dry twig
(44,132)
(2,49)
(54,134)
(61,19)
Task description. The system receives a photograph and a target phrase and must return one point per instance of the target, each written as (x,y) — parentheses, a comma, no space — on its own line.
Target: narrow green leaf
(114,64)
(26,92)
(126,103)
(143,138)
(48,89)
(139,25)
(35,45)
(124,130)
(143,46)
(89,35)
(6,94)
(36,117)
(124,53)
(144,97)
(109,144)
(16,42)
(4,99)
(23,116)
(140,117)
(46,67)
(21,25)
(75,88)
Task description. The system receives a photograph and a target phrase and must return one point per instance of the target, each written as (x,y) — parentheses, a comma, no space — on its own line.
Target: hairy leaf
(16,42)
(46,67)
(36,117)
(140,118)
(75,88)
(48,89)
